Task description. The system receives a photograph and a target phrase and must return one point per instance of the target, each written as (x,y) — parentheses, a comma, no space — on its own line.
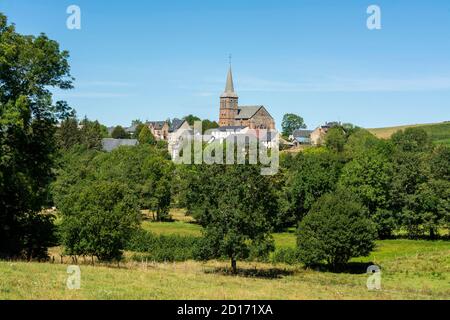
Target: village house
(159,129)
(300,137)
(176,131)
(318,135)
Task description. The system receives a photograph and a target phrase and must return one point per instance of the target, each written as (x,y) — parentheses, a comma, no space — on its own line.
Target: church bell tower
(228,103)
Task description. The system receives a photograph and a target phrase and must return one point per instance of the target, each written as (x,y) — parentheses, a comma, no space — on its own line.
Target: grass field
(439,132)
(410,270)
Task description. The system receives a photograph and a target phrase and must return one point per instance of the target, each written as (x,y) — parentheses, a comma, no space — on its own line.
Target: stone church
(234,115)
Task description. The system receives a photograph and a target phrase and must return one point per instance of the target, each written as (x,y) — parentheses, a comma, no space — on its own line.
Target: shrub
(163,247)
(336,229)
(285,255)
(98,219)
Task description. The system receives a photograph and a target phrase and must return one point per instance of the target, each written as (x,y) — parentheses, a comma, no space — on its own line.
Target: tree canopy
(30,67)
(292,122)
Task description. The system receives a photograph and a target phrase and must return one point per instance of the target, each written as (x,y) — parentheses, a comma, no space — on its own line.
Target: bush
(98,219)
(285,255)
(336,229)
(162,248)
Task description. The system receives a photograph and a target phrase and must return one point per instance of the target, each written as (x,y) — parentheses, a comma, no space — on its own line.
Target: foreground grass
(411,270)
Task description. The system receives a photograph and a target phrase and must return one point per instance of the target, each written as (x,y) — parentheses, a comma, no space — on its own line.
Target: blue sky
(158,59)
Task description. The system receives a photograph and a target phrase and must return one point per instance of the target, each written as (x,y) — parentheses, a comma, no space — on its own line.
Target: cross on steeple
(229,59)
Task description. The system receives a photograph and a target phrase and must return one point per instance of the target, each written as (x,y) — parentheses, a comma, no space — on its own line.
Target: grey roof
(131,129)
(246,112)
(176,124)
(229,88)
(157,124)
(331,124)
(302,133)
(110,144)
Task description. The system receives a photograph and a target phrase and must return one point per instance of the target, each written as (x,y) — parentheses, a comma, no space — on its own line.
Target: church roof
(246,112)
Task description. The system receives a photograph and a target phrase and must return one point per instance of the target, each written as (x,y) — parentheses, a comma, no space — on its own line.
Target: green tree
(412,140)
(208,125)
(362,141)
(292,122)
(139,128)
(335,139)
(191,119)
(91,134)
(98,219)
(68,134)
(369,177)
(335,230)
(440,162)
(30,67)
(119,133)
(236,207)
(309,177)
(146,136)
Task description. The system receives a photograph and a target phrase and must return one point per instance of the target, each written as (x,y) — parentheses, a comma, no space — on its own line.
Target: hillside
(439,132)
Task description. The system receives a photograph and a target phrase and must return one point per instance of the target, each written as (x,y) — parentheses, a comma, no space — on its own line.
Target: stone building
(318,135)
(231,114)
(159,129)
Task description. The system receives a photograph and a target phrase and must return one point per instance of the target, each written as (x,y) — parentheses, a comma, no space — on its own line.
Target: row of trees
(100,196)
(342,196)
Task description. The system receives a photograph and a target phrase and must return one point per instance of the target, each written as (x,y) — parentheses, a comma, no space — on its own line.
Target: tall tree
(68,134)
(236,210)
(292,122)
(29,68)
(335,139)
(309,177)
(119,133)
(91,134)
(146,136)
(369,176)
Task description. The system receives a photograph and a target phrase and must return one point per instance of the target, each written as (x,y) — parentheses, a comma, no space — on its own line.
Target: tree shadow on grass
(350,268)
(272,273)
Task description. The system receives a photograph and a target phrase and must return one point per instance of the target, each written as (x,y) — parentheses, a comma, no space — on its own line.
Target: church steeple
(229,88)
(228,102)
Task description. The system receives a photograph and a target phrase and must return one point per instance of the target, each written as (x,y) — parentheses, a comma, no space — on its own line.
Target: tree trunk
(432,234)
(233,266)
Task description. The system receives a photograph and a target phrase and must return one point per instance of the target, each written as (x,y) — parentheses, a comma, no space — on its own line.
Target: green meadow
(438,132)
(411,269)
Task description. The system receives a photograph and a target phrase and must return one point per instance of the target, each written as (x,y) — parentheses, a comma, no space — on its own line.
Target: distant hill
(439,132)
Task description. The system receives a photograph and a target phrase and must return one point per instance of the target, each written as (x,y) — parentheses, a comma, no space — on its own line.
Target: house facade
(159,129)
